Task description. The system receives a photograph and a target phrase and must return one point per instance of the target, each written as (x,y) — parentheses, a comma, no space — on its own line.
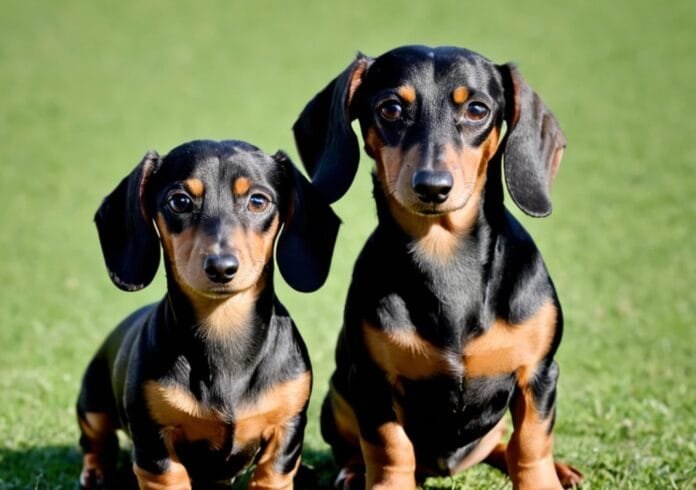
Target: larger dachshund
(451,316)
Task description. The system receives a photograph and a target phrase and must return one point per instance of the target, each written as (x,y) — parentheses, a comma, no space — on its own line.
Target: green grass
(87,87)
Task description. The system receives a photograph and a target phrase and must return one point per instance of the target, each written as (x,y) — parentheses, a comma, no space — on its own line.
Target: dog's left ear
(306,243)
(534,145)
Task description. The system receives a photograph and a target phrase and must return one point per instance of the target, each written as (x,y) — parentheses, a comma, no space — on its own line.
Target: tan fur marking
(266,476)
(230,317)
(195,187)
(175,478)
(373,145)
(219,315)
(241,186)
(529,451)
(459,95)
(435,237)
(390,464)
(148,162)
(96,425)
(507,348)
(356,80)
(91,466)
(183,417)
(267,420)
(435,243)
(407,93)
(178,249)
(273,408)
(98,428)
(344,416)
(404,353)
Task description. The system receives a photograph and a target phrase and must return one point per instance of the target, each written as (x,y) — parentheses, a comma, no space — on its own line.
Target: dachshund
(451,317)
(215,377)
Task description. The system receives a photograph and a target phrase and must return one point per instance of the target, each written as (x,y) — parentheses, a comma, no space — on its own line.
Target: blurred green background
(87,87)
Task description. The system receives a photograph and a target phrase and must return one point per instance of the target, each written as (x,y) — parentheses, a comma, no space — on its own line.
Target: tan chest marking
(273,409)
(507,348)
(403,353)
(183,417)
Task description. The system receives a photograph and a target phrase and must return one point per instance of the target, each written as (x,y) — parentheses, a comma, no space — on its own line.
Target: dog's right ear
(325,140)
(127,235)
(306,243)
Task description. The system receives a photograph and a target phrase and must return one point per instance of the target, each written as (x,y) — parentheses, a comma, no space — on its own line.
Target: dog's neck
(450,266)
(224,330)
(218,342)
(444,241)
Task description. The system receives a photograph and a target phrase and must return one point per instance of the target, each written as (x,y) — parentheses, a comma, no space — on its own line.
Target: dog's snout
(432,186)
(220,268)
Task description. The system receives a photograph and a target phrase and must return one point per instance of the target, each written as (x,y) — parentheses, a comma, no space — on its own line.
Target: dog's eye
(476,111)
(258,203)
(390,110)
(180,203)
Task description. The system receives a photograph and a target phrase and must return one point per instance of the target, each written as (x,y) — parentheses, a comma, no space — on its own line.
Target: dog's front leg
(174,477)
(154,461)
(529,452)
(390,461)
(280,458)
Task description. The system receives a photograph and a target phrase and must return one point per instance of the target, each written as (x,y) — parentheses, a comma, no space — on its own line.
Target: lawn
(87,87)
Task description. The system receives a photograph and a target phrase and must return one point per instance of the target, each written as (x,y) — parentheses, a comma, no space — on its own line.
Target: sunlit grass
(86,88)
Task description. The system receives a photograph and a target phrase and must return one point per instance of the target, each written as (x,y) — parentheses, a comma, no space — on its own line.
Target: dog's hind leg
(339,427)
(96,417)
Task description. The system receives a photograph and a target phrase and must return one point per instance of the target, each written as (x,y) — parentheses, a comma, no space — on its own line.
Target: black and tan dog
(451,317)
(214,377)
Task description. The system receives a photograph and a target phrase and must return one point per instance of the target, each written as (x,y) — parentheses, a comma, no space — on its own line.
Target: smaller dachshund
(215,377)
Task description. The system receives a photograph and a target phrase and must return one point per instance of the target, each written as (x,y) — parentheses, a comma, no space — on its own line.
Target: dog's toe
(350,479)
(569,476)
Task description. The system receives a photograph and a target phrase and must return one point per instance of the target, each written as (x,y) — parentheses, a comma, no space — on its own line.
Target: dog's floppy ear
(534,145)
(306,243)
(128,239)
(325,140)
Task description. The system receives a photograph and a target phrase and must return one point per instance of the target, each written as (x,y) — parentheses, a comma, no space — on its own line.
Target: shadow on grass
(58,468)
(50,467)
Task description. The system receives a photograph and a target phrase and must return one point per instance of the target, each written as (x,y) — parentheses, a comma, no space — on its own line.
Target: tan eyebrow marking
(241,186)
(195,187)
(459,95)
(407,93)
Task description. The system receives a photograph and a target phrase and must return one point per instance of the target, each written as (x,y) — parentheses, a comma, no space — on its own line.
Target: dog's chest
(245,423)
(502,348)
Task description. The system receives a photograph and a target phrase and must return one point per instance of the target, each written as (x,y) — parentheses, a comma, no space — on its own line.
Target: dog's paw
(569,476)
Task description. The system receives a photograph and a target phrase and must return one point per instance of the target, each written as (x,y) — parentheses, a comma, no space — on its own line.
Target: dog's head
(216,208)
(432,120)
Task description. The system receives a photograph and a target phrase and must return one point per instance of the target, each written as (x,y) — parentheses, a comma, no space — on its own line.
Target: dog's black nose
(431,186)
(221,268)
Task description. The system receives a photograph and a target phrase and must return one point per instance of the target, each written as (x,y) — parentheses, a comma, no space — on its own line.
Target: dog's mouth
(213,291)
(219,291)
(434,210)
